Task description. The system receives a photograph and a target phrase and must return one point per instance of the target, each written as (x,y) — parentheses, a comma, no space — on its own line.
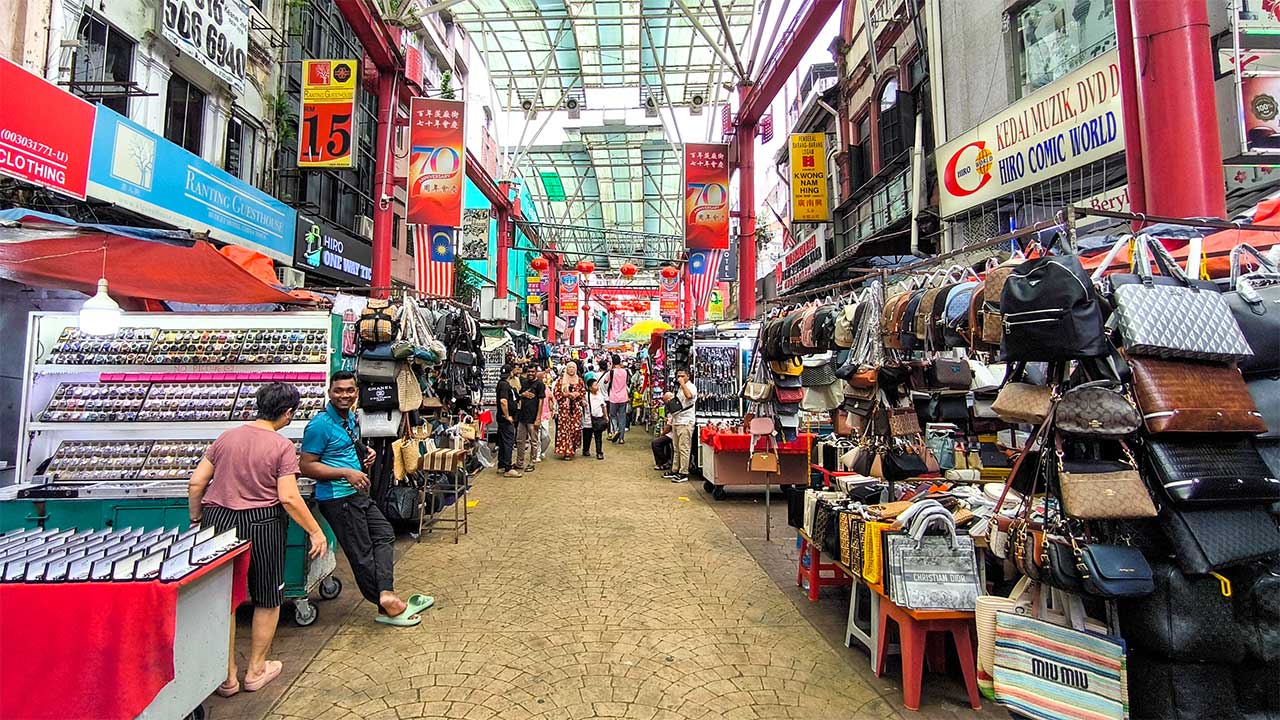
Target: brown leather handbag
(992,321)
(865,378)
(974,330)
(887,322)
(1192,396)
(903,422)
(924,313)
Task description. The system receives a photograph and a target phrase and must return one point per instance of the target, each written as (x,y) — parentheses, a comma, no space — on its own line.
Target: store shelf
(178,369)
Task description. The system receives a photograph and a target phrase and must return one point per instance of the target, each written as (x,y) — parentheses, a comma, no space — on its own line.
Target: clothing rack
(1207,223)
(393,291)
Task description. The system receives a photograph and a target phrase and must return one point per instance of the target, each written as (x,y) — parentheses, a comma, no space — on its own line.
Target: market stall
(724,458)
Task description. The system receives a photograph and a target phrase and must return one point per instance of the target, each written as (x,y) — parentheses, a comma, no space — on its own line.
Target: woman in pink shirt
(617,390)
(248,481)
(548,410)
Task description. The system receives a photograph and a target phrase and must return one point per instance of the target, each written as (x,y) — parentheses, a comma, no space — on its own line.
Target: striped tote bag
(1049,672)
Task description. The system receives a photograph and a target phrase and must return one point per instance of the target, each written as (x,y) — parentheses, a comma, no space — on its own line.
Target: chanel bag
(379,396)
(1209,539)
(1193,470)
(1183,396)
(1176,321)
(379,423)
(1096,409)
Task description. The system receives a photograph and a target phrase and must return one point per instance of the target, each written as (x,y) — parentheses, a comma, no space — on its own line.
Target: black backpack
(1051,312)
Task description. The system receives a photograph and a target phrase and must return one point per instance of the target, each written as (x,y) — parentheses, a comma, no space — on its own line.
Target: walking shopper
(617,388)
(570,393)
(508,407)
(248,481)
(528,438)
(334,457)
(595,420)
(682,426)
(545,416)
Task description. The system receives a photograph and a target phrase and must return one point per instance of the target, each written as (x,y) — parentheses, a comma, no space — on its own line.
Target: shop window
(860,154)
(395,231)
(184,114)
(1054,37)
(103,65)
(890,123)
(408,245)
(244,154)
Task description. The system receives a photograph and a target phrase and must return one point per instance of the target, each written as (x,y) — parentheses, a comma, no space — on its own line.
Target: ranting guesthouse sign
(1060,127)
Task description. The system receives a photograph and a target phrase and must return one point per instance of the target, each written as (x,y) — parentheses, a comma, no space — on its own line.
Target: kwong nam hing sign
(1060,127)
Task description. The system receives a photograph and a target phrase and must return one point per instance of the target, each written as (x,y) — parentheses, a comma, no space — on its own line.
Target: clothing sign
(668,295)
(213,32)
(327,125)
(809,197)
(1060,127)
(475,234)
(45,132)
(569,293)
(325,249)
(706,196)
(139,170)
(436,161)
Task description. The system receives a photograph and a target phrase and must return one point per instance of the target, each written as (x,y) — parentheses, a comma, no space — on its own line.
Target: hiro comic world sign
(706,196)
(437,158)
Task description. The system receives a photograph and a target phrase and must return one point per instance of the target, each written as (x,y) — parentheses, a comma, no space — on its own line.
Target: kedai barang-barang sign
(1060,127)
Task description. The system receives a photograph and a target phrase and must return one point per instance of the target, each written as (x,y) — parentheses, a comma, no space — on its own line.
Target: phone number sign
(214,32)
(327,123)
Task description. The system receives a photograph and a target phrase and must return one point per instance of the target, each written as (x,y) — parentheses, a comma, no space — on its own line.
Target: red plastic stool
(922,634)
(834,577)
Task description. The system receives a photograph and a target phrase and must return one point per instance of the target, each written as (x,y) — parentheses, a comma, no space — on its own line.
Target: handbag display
(935,572)
(950,373)
(1043,670)
(1113,571)
(1102,489)
(1194,470)
(1050,312)
(1210,539)
(767,460)
(1256,308)
(1096,409)
(1186,619)
(1183,396)
(1176,321)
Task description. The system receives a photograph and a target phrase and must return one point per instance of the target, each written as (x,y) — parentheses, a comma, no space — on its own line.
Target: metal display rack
(717,373)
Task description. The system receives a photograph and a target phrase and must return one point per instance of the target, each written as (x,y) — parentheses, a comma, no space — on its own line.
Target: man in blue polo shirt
(331,455)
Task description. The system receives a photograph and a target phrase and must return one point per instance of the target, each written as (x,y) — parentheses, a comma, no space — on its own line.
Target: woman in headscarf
(569,392)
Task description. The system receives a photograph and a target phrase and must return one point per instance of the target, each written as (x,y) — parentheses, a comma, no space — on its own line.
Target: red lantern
(539,263)
(628,270)
(586,267)
(669,272)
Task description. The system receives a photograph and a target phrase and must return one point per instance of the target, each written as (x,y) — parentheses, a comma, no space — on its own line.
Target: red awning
(71,258)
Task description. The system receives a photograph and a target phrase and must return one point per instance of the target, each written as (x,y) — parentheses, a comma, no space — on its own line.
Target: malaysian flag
(704,267)
(434,253)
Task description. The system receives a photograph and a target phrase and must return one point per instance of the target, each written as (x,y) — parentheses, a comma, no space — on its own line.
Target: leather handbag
(992,325)
(865,378)
(788,396)
(1257,310)
(1185,396)
(765,461)
(758,391)
(890,321)
(1019,402)
(1209,539)
(903,422)
(1178,321)
(1096,409)
(923,324)
(790,366)
(907,326)
(1113,571)
(1186,619)
(1193,470)
(1102,489)
(1059,563)
(898,464)
(950,373)
(1051,312)
(955,317)
(974,329)
(376,371)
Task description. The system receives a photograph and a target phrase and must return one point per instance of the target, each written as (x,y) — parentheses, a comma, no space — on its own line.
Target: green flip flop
(418,602)
(405,619)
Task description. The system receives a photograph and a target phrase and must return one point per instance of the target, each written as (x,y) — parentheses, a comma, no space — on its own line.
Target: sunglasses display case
(140,406)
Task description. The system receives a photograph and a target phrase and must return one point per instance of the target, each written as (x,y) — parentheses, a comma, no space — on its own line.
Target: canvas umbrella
(642,330)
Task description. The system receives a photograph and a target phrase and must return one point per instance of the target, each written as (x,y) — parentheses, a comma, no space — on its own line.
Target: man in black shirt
(508,408)
(528,433)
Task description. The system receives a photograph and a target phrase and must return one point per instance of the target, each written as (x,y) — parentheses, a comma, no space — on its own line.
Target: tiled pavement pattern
(596,589)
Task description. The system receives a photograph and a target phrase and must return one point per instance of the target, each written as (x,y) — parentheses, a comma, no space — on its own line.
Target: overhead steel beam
(728,39)
(697,25)
(373,33)
(804,30)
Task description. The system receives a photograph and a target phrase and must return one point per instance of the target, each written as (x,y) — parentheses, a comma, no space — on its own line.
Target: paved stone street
(591,589)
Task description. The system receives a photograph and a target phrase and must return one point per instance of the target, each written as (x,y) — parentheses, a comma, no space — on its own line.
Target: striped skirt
(266,528)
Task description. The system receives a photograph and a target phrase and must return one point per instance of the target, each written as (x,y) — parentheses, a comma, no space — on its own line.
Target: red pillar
(1176,110)
(383,215)
(746,142)
(553,298)
(504,243)
(1129,98)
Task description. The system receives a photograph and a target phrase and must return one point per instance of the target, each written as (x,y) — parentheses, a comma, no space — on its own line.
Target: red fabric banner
(437,157)
(741,442)
(668,295)
(706,196)
(569,293)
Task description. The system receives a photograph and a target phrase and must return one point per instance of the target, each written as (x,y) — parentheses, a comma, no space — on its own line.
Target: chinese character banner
(706,196)
(437,158)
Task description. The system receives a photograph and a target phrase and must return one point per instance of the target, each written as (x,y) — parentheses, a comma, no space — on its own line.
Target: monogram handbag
(949,373)
(903,422)
(1019,402)
(1096,409)
(1193,470)
(1176,321)
(1184,396)
(1102,489)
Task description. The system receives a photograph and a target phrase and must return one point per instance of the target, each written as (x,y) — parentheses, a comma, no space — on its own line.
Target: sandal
(227,691)
(405,619)
(417,602)
(272,671)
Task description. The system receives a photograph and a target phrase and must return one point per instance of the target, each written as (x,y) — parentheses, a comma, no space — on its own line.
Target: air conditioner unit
(364,227)
(291,277)
(504,310)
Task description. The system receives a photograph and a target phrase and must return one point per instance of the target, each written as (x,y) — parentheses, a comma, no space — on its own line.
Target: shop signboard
(569,293)
(809,196)
(143,172)
(46,133)
(801,261)
(706,196)
(533,290)
(668,295)
(475,234)
(215,33)
(327,124)
(325,249)
(1060,127)
(715,307)
(436,161)
(729,263)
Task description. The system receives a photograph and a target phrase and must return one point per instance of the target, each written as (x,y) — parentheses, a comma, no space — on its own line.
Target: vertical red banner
(706,196)
(569,293)
(669,295)
(437,157)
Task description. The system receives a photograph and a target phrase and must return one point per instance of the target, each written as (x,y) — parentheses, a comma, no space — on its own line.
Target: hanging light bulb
(100,315)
